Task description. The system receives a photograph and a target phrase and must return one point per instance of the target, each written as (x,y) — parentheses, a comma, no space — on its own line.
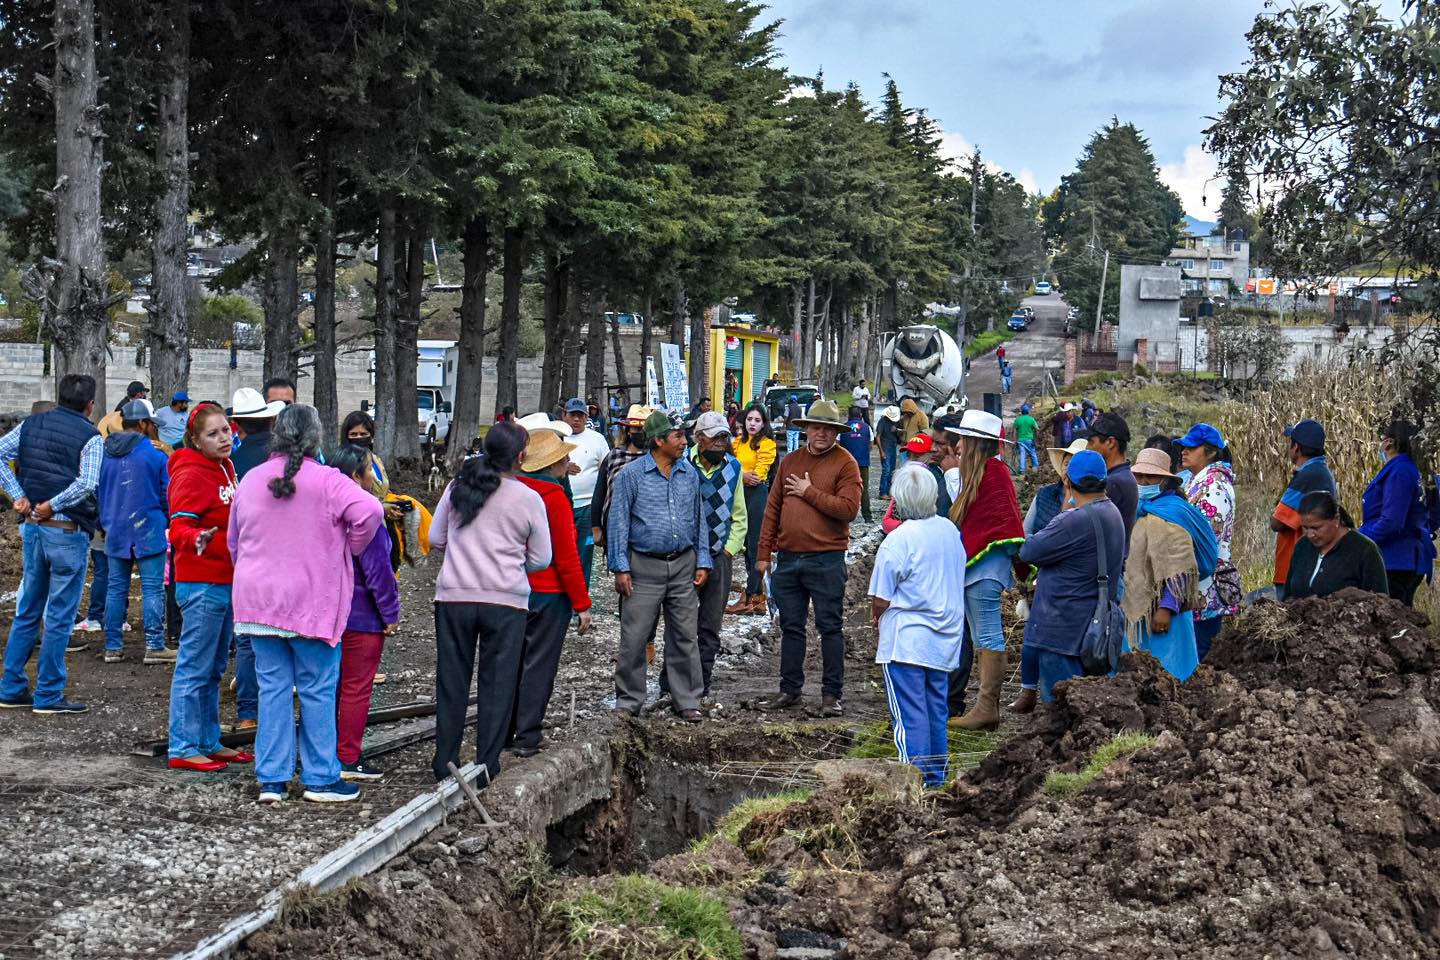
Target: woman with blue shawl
(1172,550)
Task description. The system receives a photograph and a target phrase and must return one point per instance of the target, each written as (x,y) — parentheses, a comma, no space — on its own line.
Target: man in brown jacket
(814,497)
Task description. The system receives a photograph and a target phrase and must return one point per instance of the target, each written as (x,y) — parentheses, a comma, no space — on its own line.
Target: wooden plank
(369,850)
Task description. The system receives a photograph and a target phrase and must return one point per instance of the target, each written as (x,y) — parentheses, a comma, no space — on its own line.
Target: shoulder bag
(1105,633)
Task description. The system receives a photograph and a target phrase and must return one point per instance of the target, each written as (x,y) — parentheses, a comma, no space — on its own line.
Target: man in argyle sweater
(722,511)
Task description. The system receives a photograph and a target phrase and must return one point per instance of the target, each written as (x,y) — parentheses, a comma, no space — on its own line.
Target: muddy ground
(1286,808)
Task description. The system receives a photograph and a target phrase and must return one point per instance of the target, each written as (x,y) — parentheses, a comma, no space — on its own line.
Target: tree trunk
(811,328)
(78,316)
(797,328)
(594,311)
(168,333)
(280,296)
(327,402)
(861,369)
(647,336)
(621,375)
(677,315)
(407,350)
(570,348)
(507,352)
(556,326)
(469,368)
(890,306)
(700,358)
(385,389)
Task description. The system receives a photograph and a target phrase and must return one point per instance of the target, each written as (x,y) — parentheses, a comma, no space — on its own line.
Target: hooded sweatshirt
(133,508)
(201,490)
(916,423)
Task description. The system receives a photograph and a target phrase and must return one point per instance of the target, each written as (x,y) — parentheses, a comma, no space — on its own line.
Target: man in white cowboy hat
(659,550)
(1062,425)
(814,499)
(887,439)
(253,417)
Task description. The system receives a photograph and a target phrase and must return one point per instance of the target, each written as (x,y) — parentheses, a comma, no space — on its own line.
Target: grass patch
(967,748)
(983,343)
(637,917)
(1124,744)
(740,815)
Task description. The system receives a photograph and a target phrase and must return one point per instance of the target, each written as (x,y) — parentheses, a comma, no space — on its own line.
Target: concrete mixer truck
(924,362)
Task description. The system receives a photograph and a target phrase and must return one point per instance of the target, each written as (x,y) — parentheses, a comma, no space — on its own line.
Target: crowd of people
(673,508)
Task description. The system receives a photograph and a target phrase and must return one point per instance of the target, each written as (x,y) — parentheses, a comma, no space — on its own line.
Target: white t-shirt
(860,397)
(590,451)
(920,569)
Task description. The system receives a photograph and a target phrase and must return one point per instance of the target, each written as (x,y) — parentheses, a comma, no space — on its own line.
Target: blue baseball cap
(180,397)
(1308,433)
(1200,435)
(1086,464)
(576,405)
(1024,408)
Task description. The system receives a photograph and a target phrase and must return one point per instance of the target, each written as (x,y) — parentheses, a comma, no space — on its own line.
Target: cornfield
(1352,402)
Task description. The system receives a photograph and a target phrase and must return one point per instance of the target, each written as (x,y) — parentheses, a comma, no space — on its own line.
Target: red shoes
(239,756)
(202,766)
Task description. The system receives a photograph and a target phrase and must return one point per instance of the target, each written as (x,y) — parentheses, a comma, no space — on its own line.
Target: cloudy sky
(1031,81)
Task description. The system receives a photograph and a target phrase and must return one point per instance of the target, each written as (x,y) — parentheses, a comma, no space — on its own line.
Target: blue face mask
(1149,491)
(1384,455)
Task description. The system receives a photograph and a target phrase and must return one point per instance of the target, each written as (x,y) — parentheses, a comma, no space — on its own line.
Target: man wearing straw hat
(815,497)
(659,550)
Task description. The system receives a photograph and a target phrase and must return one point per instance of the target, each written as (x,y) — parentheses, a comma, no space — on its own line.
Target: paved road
(1032,354)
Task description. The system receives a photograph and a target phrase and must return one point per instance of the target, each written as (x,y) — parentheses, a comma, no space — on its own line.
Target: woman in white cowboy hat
(988,515)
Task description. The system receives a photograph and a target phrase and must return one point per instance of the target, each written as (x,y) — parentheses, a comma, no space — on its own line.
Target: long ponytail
(297,435)
(480,476)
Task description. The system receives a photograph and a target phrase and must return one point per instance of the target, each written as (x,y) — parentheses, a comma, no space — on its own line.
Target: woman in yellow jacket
(755,449)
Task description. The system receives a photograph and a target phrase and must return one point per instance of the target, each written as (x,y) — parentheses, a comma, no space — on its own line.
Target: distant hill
(1198,228)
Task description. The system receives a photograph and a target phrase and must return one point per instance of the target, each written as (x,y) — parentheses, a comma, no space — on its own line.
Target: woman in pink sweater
(295,524)
(494,532)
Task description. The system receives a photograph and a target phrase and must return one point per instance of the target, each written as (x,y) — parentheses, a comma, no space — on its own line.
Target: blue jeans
(982,614)
(918,711)
(796,581)
(1055,667)
(1028,455)
(792,440)
(208,624)
(312,669)
(99,586)
(887,470)
(152,599)
(1029,667)
(54,562)
(585,541)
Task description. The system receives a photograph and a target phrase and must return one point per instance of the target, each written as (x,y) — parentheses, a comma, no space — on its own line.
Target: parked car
(1043,288)
(1018,321)
(778,397)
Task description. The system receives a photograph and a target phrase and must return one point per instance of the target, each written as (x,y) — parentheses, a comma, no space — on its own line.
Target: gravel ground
(117,856)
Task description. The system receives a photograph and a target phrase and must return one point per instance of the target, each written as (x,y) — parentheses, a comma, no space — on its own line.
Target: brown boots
(985,715)
(748,603)
(1025,703)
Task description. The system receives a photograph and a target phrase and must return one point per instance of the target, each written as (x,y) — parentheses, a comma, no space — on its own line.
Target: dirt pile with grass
(1280,804)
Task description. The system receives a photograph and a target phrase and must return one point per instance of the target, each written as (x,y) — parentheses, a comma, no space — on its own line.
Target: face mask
(1149,491)
(366,442)
(1383,454)
(637,439)
(713,457)
(1070,502)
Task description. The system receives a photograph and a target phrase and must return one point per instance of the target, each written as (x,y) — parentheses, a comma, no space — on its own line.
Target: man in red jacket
(555,592)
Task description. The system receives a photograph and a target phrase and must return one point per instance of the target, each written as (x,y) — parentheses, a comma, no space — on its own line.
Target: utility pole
(964,321)
(1100,302)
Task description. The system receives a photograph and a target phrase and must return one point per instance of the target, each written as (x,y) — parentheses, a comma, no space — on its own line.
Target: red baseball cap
(923,443)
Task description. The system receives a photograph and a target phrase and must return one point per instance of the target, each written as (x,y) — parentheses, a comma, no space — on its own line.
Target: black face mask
(366,442)
(714,457)
(637,439)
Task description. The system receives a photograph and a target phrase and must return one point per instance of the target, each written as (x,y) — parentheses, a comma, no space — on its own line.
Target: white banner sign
(677,384)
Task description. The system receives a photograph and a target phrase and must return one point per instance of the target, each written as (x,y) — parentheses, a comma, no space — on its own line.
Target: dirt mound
(1286,809)
(1352,641)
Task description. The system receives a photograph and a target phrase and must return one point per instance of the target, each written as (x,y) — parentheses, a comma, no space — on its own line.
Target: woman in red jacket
(202,483)
(555,592)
